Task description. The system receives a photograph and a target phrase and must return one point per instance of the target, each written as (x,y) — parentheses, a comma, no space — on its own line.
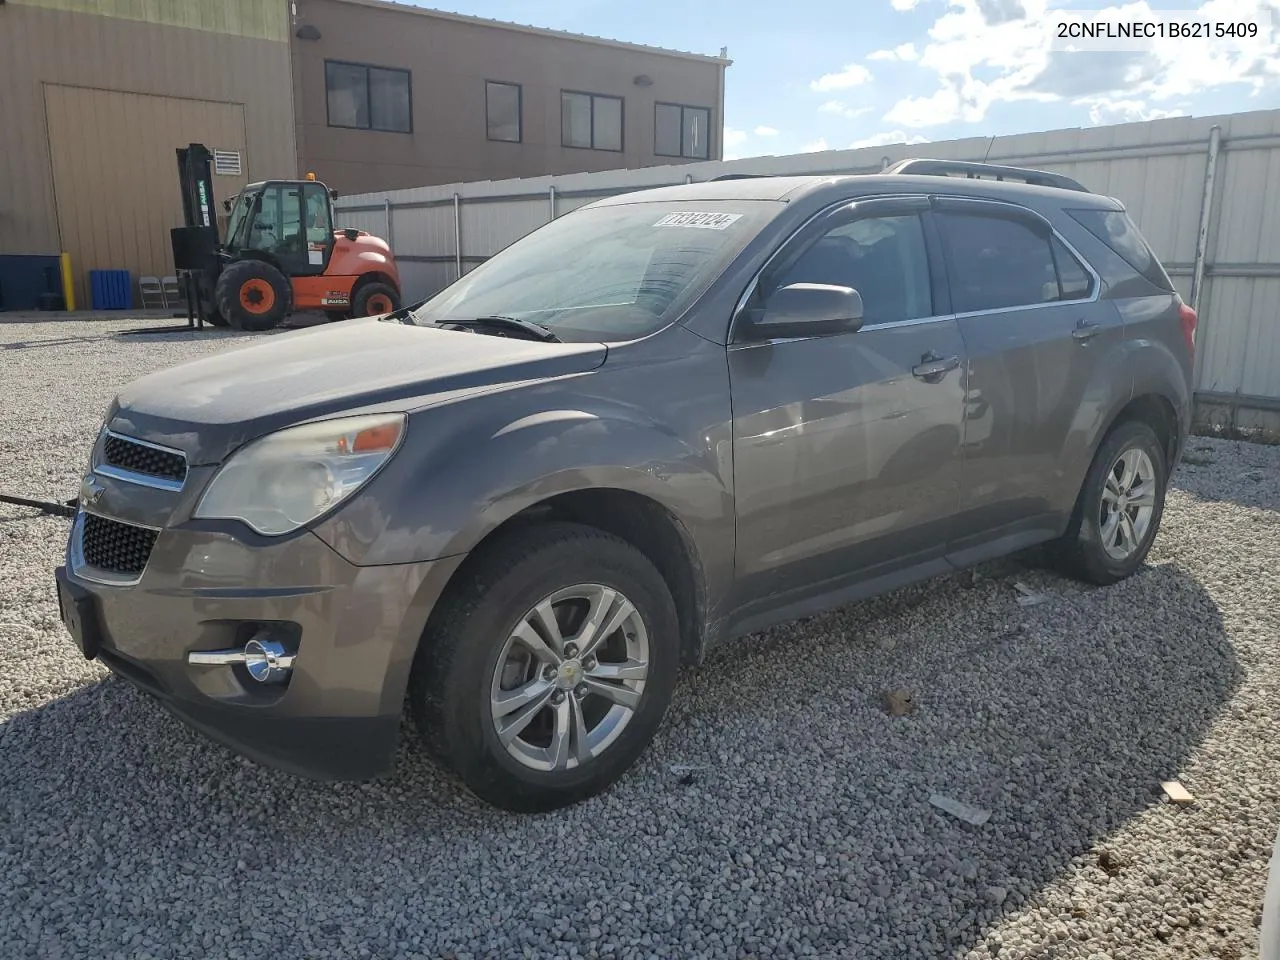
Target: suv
(660,422)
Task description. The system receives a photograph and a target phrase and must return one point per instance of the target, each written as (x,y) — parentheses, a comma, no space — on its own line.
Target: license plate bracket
(78,610)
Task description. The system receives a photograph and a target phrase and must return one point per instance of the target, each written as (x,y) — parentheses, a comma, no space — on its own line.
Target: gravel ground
(781,812)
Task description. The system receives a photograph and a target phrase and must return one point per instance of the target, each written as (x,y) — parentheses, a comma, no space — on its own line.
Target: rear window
(1117,231)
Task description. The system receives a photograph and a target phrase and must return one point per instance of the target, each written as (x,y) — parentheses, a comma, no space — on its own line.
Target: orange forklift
(281,254)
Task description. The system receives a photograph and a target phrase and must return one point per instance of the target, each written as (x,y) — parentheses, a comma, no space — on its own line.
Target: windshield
(235,222)
(606,273)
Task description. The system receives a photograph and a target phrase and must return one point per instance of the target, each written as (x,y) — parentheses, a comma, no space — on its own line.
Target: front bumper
(210,587)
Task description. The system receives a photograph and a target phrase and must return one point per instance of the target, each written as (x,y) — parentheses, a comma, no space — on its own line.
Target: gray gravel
(781,812)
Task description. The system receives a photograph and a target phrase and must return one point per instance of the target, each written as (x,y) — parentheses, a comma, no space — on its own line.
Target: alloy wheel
(569,677)
(1128,503)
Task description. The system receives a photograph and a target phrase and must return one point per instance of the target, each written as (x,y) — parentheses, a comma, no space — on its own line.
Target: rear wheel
(373,299)
(545,677)
(252,295)
(1119,508)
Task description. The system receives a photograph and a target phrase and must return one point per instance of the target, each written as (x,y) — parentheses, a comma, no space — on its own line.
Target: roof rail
(739,176)
(985,171)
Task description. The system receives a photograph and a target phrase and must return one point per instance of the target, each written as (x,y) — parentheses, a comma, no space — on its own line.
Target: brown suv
(657,423)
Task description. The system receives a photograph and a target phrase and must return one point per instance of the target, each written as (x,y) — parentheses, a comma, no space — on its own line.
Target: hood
(211,406)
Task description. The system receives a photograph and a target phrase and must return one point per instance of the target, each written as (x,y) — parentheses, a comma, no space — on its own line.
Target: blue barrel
(110,289)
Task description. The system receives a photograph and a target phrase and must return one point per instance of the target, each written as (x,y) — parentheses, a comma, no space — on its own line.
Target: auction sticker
(704,221)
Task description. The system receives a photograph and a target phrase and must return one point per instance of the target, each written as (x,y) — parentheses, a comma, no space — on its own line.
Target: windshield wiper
(532,330)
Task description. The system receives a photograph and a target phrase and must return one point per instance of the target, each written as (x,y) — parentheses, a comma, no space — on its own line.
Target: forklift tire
(213,317)
(252,295)
(373,299)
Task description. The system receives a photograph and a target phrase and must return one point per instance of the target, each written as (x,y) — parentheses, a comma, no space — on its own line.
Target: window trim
(622,120)
(683,107)
(519,111)
(368,95)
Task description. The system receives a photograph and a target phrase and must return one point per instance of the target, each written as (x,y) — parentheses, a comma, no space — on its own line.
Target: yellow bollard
(68,287)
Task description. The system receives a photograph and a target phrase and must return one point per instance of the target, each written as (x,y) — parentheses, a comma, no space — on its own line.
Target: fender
(1145,368)
(450,492)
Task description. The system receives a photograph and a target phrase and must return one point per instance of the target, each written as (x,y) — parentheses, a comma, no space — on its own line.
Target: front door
(846,447)
(1033,330)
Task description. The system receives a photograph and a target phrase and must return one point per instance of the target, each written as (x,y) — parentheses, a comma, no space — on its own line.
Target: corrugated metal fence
(1205,191)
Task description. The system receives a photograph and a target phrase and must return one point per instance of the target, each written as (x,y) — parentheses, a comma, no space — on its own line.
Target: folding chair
(173,295)
(149,288)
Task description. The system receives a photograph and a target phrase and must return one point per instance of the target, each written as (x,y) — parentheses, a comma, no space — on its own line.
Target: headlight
(288,478)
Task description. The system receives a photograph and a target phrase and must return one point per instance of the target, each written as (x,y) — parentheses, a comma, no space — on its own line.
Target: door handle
(933,368)
(1086,330)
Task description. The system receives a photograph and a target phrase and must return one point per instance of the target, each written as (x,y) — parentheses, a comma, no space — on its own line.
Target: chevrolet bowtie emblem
(91,491)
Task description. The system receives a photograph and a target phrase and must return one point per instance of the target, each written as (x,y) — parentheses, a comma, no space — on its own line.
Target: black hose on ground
(67,509)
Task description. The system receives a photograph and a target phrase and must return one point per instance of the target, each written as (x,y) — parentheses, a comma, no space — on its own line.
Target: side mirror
(809,310)
(333,194)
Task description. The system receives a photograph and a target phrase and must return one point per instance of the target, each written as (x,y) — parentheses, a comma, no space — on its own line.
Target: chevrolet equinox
(657,423)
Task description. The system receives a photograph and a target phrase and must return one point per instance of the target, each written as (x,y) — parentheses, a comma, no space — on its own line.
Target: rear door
(1028,310)
(846,447)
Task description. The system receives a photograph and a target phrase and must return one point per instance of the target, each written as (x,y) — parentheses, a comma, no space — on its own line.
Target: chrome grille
(125,454)
(115,546)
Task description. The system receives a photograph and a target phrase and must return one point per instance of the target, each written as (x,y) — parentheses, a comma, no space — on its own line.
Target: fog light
(267,661)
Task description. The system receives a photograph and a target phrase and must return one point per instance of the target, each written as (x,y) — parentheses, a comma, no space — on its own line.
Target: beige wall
(40,46)
(266,19)
(144,130)
(450,59)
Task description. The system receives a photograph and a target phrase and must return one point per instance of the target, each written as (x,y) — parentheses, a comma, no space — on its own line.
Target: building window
(368,98)
(590,120)
(502,110)
(680,131)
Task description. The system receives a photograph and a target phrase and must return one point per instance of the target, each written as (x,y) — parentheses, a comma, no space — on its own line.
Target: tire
(374,298)
(252,295)
(469,656)
(1093,550)
(214,318)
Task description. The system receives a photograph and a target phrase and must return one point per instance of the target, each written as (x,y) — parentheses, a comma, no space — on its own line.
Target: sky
(835,74)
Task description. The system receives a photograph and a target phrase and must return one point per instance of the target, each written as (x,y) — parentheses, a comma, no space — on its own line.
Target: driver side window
(883,258)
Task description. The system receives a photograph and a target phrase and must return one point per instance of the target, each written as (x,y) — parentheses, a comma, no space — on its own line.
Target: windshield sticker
(703,221)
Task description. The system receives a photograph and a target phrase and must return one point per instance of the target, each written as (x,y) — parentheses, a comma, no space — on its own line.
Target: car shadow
(777,764)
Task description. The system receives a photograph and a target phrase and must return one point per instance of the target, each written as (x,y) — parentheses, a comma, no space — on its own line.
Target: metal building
(1204,190)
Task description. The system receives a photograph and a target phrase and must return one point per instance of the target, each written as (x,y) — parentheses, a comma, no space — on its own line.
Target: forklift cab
(290,220)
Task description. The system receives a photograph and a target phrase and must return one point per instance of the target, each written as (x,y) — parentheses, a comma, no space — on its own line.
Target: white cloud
(817,146)
(763,131)
(732,137)
(985,52)
(905,52)
(853,75)
(1103,110)
(842,109)
(884,139)
(904,5)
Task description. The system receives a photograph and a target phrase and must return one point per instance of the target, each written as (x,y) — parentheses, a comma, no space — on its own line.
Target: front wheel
(1119,508)
(252,295)
(545,677)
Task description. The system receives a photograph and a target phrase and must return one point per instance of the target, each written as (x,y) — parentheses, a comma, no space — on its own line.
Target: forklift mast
(195,178)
